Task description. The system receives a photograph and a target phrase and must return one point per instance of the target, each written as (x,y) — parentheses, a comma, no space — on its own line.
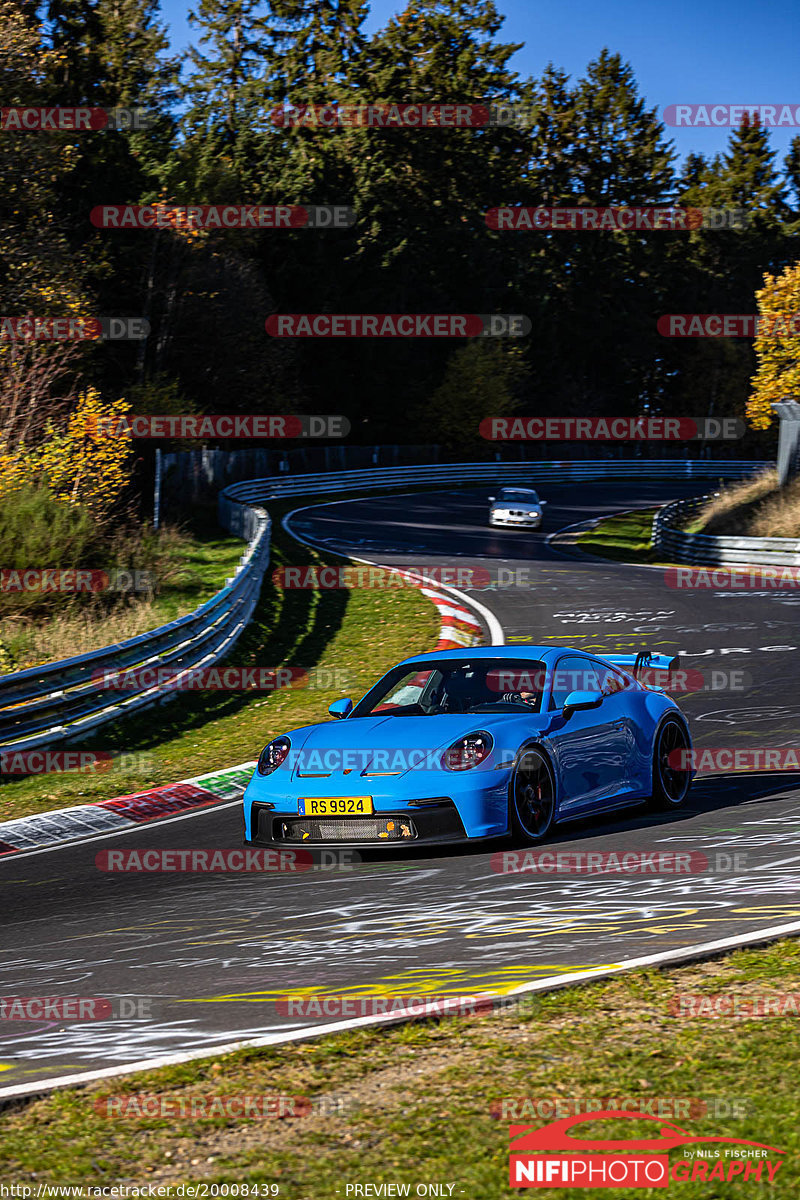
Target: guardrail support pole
(157,492)
(788,411)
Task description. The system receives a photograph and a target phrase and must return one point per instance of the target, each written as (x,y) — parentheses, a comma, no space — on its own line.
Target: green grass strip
(424,1102)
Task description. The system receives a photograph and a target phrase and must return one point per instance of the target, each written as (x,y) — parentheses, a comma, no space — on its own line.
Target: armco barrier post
(157,492)
(788,411)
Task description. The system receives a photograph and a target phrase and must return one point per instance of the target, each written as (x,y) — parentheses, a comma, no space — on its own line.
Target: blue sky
(688,51)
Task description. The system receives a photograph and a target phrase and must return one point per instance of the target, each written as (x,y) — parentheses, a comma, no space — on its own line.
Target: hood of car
(527,505)
(393,745)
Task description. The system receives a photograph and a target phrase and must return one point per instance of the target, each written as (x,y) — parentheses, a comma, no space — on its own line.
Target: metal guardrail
(62,701)
(523,473)
(712,550)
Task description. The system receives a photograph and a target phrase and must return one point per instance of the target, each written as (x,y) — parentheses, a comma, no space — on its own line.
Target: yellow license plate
(336,806)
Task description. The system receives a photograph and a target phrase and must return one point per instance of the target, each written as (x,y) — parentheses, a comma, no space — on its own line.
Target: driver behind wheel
(524,697)
(463,691)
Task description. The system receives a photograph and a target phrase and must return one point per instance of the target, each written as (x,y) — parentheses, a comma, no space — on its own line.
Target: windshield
(456,686)
(519,497)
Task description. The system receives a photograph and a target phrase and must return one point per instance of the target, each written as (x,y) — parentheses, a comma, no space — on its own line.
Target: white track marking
(555,982)
(497,636)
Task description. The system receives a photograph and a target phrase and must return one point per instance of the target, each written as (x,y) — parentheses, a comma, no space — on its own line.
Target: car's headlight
(533,514)
(273,755)
(468,751)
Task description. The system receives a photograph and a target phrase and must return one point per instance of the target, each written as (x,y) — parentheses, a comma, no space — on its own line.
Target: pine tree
(550,172)
(620,154)
(692,175)
(75,33)
(224,90)
(791,167)
(719,270)
(133,48)
(317,49)
(591,295)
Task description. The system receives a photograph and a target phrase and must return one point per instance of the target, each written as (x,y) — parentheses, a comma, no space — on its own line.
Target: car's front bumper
(451,807)
(434,825)
(525,522)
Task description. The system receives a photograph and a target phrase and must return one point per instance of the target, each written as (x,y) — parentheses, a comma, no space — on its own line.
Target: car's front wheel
(532,798)
(672,776)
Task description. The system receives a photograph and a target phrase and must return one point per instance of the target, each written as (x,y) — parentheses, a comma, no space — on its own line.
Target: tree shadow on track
(711,794)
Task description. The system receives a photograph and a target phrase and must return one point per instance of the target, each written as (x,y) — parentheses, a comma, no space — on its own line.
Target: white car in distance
(516,506)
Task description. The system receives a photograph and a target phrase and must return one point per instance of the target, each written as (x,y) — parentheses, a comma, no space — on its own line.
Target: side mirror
(542,503)
(341,708)
(491,498)
(579,701)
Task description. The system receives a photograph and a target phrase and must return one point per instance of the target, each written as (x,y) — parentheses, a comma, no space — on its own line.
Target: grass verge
(753,508)
(424,1102)
(353,635)
(750,508)
(621,537)
(189,565)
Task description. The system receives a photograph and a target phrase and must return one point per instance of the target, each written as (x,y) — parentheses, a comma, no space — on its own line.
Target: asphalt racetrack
(200,960)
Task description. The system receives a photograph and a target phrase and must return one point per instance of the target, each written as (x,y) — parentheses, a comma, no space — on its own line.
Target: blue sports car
(460,745)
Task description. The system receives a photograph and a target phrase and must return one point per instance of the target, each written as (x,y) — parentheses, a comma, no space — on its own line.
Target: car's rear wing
(643,661)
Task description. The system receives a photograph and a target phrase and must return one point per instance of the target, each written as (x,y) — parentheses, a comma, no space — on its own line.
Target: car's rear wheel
(532,799)
(672,776)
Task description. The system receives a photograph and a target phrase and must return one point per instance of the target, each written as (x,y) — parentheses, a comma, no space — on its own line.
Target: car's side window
(573,675)
(612,681)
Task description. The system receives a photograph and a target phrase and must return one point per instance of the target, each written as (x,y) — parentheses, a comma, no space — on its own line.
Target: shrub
(38,530)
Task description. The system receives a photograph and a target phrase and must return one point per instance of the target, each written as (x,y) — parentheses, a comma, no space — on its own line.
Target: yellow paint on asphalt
(418,981)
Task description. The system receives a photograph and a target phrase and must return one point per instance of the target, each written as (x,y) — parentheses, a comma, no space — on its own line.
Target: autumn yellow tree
(84,462)
(777,349)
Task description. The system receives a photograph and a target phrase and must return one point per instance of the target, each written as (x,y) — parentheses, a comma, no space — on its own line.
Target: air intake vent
(354,829)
